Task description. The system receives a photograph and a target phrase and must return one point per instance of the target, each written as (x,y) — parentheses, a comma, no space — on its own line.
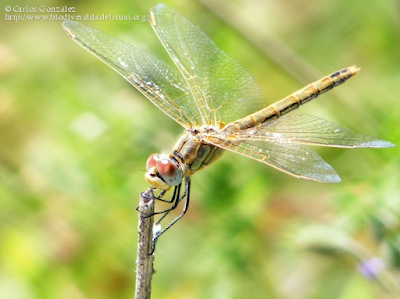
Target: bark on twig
(144,261)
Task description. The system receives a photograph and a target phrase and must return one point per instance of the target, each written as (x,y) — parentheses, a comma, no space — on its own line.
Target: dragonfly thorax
(190,154)
(207,128)
(195,151)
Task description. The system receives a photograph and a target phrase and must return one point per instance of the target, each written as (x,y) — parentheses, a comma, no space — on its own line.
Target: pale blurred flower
(371,268)
(88,126)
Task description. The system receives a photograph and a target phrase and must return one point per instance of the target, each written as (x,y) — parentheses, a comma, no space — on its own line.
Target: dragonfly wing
(280,144)
(309,130)
(294,159)
(160,83)
(222,89)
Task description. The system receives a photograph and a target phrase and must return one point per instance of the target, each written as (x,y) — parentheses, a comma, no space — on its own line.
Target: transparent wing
(280,144)
(294,159)
(161,84)
(309,130)
(222,89)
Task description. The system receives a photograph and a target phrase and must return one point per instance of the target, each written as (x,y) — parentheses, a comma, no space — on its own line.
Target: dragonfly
(220,107)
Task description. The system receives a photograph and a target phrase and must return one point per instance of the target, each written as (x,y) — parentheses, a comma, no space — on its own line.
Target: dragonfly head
(163,171)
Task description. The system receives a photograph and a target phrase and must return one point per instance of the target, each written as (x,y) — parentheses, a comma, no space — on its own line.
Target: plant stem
(144,261)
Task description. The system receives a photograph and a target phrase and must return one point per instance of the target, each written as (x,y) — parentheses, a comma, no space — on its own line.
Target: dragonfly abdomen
(294,100)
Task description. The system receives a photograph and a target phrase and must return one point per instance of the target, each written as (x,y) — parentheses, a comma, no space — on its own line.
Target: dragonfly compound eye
(152,161)
(169,171)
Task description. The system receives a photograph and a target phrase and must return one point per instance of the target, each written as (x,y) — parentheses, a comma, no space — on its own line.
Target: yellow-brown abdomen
(294,100)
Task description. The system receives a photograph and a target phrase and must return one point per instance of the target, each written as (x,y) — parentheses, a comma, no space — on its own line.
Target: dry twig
(144,261)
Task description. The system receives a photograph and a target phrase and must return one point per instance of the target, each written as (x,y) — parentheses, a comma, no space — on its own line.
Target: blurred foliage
(75,138)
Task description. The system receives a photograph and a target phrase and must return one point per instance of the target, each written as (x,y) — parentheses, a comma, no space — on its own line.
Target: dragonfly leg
(159,197)
(186,195)
(175,199)
(147,196)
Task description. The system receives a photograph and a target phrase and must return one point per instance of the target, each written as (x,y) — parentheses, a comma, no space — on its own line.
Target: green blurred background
(75,136)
